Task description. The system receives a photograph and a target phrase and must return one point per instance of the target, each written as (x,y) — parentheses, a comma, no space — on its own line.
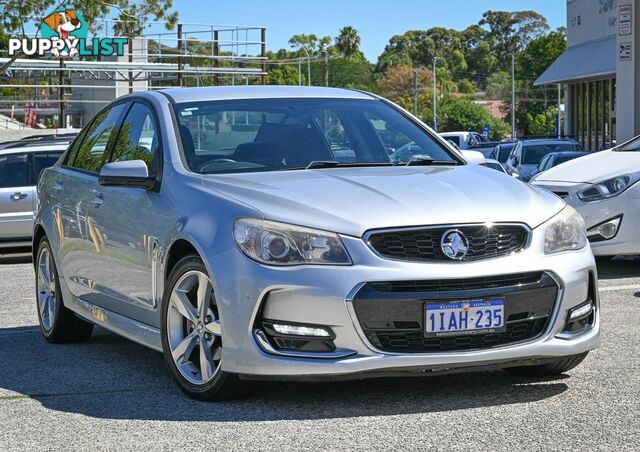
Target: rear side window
(92,154)
(41,161)
(137,138)
(14,170)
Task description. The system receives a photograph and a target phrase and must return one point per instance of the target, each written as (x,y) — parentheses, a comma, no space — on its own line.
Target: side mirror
(474,157)
(132,173)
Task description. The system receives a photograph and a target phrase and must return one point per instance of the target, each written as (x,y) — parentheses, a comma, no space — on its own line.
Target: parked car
(557,158)
(253,252)
(527,155)
(464,140)
(502,151)
(20,167)
(604,188)
(494,164)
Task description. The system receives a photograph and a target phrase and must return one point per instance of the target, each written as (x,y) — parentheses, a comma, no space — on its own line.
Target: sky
(376,20)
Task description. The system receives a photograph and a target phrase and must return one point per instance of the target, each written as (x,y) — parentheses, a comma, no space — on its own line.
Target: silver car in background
(21,163)
(254,233)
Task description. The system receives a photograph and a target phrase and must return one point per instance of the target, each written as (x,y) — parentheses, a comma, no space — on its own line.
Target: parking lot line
(615,288)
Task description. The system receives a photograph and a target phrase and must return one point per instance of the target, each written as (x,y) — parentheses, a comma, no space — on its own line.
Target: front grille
(415,342)
(424,244)
(439,285)
(392,314)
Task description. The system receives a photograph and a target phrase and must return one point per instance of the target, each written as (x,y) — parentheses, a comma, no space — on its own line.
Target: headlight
(565,232)
(274,243)
(609,188)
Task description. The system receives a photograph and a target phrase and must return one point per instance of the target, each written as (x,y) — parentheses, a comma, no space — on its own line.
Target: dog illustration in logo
(63,23)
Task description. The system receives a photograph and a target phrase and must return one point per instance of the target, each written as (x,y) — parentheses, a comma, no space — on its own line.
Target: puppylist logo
(64,35)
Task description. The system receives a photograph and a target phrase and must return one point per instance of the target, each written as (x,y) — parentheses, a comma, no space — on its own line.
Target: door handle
(17,196)
(98,198)
(57,186)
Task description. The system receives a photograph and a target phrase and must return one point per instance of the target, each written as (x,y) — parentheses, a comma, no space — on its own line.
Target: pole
(216,54)
(61,121)
(264,55)
(513,96)
(179,54)
(308,68)
(299,72)
(415,92)
(326,68)
(130,61)
(559,117)
(435,96)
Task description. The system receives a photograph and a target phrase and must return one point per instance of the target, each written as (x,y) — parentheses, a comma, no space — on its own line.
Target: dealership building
(599,72)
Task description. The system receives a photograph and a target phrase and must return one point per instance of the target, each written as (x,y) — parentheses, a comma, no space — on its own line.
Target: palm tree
(348,42)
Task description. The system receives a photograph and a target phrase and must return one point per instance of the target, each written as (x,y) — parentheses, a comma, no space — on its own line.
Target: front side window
(277,134)
(137,138)
(92,153)
(14,170)
(42,161)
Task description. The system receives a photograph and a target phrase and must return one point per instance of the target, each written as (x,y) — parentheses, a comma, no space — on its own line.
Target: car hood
(353,200)
(593,168)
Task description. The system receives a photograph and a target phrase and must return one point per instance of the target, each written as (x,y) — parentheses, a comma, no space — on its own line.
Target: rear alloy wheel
(550,369)
(192,334)
(57,323)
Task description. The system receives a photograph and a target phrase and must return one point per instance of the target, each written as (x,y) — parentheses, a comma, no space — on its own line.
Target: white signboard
(625,20)
(624,51)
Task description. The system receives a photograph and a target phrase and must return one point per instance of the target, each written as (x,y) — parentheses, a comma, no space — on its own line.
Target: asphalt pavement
(111,394)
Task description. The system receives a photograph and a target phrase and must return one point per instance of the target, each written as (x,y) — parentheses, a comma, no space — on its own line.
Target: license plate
(465,318)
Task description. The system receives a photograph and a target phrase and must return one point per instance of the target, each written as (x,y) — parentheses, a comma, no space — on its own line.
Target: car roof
(180,95)
(48,147)
(548,141)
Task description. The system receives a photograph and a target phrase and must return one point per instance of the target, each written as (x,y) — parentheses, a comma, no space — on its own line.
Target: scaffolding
(192,55)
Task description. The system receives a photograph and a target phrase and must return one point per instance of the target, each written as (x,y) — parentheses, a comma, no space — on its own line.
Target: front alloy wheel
(192,334)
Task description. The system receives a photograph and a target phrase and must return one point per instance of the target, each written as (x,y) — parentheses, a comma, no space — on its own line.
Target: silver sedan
(265,233)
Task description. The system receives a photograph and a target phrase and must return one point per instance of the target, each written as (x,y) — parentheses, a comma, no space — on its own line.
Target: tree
(541,53)
(512,31)
(396,83)
(130,13)
(463,114)
(348,41)
(285,75)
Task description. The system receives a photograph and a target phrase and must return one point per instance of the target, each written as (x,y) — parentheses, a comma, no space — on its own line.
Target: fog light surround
(606,230)
(580,312)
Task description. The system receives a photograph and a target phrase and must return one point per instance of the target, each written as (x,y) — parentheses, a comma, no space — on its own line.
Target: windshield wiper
(425,160)
(320,164)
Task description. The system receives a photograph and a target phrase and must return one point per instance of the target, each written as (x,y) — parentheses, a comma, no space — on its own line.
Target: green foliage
(540,53)
(285,75)
(348,41)
(463,114)
(466,87)
(541,124)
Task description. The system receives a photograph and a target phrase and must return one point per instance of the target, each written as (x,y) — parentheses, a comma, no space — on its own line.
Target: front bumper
(627,205)
(318,295)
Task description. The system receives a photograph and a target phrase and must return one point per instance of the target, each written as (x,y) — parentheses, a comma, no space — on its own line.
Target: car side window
(41,161)
(92,154)
(138,138)
(14,170)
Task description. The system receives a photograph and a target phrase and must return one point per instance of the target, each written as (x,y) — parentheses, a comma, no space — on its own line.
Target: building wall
(589,20)
(593,20)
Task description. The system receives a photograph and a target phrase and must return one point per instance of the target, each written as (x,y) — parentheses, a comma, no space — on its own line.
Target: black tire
(550,369)
(223,386)
(65,326)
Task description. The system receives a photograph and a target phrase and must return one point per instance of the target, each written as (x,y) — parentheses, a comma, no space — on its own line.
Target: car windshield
(630,146)
(503,153)
(565,158)
(532,154)
(256,135)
